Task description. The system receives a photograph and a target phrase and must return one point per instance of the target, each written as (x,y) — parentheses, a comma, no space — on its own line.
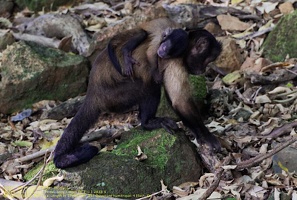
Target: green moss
(156,152)
(199,93)
(199,88)
(172,158)
(50,55)
(282,40)
(49,171)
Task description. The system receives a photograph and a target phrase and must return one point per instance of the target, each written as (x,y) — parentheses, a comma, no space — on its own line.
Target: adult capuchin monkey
(108,90)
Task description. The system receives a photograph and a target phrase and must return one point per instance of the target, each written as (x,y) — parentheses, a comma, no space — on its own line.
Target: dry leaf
(48,182)
(266,7)
(180,192)
(262,99)
(236,2)
(263,148)
(286,7)
(199,193)
(22,143)
(231,23)
(206,179)
(140,156)
(163,186)
(280,89)
(274,181)
(232,78)
(257,192)
(227,167)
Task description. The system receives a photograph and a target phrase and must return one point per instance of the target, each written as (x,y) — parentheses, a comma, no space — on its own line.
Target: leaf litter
(250,123)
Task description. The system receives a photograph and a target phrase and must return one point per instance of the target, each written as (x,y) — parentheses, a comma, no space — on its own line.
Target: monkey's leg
(147,113)
(69,152)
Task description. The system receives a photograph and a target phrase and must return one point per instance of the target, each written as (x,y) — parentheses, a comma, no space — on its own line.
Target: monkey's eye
(164,37)
(166,33)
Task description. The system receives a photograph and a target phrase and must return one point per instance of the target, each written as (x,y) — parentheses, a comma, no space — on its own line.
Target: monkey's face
(174,43)
(203,49)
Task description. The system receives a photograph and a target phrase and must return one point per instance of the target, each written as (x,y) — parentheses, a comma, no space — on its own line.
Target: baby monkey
(171,43)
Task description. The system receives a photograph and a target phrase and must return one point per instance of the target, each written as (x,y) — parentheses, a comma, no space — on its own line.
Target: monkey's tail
(68,151)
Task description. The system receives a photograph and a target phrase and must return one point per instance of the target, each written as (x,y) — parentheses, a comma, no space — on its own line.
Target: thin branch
(255,34)
(281,130)
(259,158)
(44,41)
(20,187)
(88,138)
(218,176)
(46,161)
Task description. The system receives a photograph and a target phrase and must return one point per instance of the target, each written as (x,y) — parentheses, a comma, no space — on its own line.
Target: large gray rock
(171,158)
(6,8)
(282,41)
(287,158)
(38,5)
(32,73)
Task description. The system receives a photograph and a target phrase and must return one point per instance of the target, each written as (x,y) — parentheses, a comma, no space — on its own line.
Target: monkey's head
(203,48)
(174,43)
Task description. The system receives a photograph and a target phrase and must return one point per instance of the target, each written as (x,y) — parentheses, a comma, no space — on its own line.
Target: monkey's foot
(76,157)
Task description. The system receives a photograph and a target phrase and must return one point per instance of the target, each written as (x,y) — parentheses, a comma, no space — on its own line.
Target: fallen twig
(35,155)
(44,41)
(255,34)
(106,133)
(5,193)
(281,130)
(259,158)
(218,176)
(20,187)
(46,161)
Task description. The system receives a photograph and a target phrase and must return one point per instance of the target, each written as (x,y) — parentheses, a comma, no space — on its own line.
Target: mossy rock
(198,91)
(282,40)
(30,73)
(171,158)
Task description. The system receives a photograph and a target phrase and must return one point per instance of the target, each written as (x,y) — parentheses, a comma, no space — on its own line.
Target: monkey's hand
(129,62)
(169,125)
(158,77)
(212,141)
(161,122)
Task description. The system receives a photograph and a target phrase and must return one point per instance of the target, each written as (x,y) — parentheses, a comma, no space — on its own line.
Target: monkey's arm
(177,88)
(135,38)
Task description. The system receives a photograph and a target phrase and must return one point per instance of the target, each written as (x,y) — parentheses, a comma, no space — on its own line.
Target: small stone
(231,23)
(231,58)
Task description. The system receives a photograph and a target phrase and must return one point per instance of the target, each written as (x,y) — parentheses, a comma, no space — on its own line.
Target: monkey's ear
(202,45)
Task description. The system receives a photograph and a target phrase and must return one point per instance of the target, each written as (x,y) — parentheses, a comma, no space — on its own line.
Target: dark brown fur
(109,91)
